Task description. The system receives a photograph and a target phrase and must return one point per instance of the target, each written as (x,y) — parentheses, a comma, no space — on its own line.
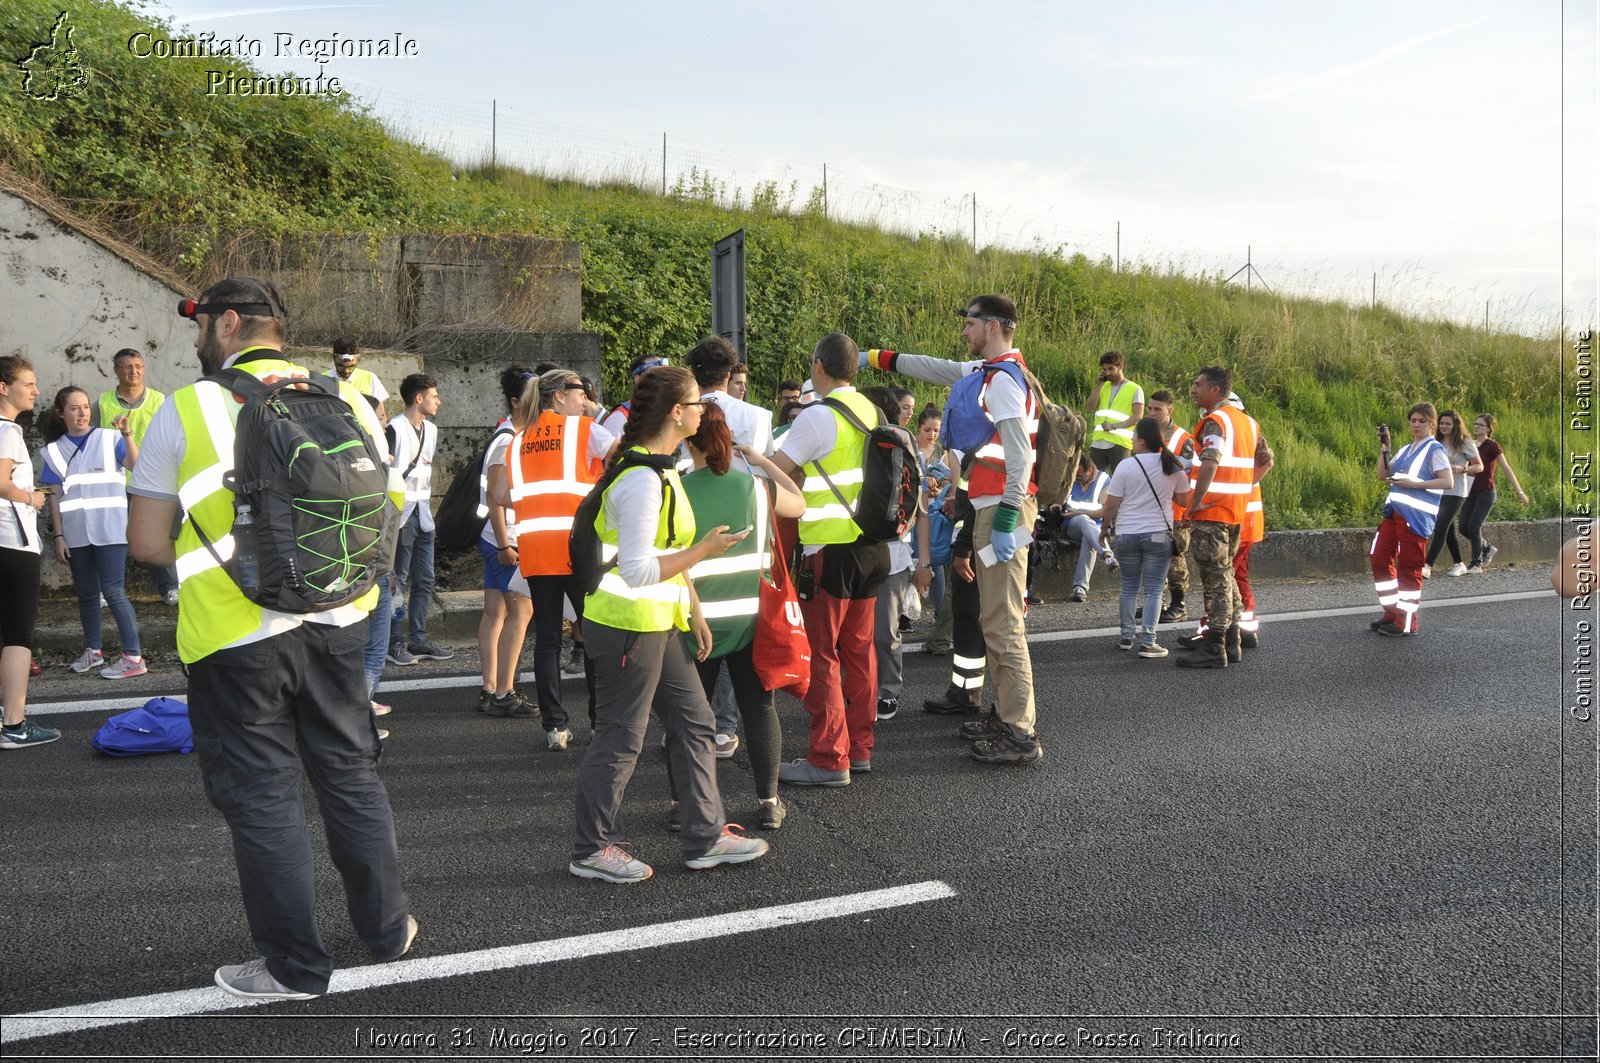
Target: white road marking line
(456,682)
(202,1001)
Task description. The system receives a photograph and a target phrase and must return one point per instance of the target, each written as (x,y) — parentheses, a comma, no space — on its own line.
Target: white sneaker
(1457,569)
(126,668)
(171,597)
(1427,571)
(1475,570)
(90,660)
(556,741)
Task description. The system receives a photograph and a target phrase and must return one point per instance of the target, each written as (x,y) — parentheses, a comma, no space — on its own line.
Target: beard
(211,352)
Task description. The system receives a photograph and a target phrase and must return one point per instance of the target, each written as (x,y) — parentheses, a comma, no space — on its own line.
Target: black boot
(1175,611)
(1191,642)
(1250,640)
(1208,654)
(1231,643)
(955,701)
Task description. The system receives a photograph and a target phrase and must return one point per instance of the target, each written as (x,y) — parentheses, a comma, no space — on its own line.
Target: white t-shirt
(615,421)
(747,423)
(633,510)
(811,437)
(19,522)
(496,455)
(1143,511)
(1465,456)
(414,449)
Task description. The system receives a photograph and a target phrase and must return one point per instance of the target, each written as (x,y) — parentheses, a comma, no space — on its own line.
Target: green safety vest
(730,586)
(1110,410)
(138,419)
(212,612)
(825,521)
(656,606)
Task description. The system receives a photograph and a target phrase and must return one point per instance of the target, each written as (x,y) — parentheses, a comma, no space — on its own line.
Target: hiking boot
(1174,613)
(725,746)
(954,702)
(90,660)
(126,668)
(253,981)
(398,654)
(1208,654)
(25,734)
(986,726)
(1153,650)
(674,820)
(424,650)
(804,773)
(1249,639)
(556,741)
(380,709)
(1008,747)
(731,848)
(574,662)
(1457,569)
(411,935)
(772,813)
(887,708)
(1231,644)
(862,766)
(612,865)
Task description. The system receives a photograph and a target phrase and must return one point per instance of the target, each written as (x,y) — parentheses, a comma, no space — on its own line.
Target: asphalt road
(1349,846)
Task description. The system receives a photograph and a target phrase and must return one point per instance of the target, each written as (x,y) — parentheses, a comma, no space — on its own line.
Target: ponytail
(1149,432)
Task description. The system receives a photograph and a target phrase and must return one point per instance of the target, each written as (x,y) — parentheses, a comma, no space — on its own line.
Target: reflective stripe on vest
(1176,443)
(212,612)
(1083,498)
(139,417)
(1113,407)
(1230,488)
(1419,507)
(94,501)
(729,586)
(549,472)
(988,476)
(825,520)
(656,606)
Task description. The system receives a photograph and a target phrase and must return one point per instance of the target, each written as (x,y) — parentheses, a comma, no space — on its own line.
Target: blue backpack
(160,726)
(966,424)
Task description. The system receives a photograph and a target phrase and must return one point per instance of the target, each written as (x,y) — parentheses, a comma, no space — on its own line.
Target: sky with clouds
(1450,148)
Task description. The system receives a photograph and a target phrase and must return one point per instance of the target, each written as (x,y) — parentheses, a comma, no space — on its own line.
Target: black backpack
(459,522)
(313,523)
(584,543)
(891,482)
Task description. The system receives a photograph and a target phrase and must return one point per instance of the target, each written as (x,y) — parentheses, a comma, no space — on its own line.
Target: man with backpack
(415,439)
(841,571)
(993,401)
(270,689)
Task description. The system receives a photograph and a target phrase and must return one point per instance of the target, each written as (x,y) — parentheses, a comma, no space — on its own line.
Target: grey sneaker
(862,766)
(25,734)
(125,668)
(1008,747)
(612,865)
(90,660)
(556,741)
(253,981)
(1488,555)
(425,650)
(398,654)
(731,848)
(726,746)
(171,597)
(772,813)
(804,773)
(1154,649)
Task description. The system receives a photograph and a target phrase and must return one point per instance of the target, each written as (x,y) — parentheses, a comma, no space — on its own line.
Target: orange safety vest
(550,472)
(1180,439)
(1228,498)
(1254,528)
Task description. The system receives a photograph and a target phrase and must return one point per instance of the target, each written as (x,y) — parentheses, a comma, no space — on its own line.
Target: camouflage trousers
(1213,545)
(1178,571)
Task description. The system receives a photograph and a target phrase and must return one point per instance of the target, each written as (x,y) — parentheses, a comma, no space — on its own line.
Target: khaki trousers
(1001,590)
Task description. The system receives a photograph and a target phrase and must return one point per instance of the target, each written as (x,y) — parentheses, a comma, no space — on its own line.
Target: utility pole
(663,164)
(1374,289)
(974,221)
(494,129)
(824,191)
(1486,315)
(1119,248)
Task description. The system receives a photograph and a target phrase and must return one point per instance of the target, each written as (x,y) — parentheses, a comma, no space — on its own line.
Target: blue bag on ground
(160,726)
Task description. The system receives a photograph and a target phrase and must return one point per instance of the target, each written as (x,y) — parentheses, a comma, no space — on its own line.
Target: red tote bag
(781,652)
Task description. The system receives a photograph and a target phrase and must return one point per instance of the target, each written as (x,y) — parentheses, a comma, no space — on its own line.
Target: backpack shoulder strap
(847,413)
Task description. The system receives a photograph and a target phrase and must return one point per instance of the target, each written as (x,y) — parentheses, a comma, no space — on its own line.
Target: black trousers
(261,714)
(547,593)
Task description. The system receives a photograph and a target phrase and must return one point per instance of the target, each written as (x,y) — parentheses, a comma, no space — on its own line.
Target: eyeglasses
(977,315)
(697,402)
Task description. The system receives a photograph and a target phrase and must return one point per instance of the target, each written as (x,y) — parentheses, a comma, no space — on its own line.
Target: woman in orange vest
(557,454)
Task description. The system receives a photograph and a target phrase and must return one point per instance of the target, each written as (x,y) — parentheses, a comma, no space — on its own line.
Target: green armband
(1005,517)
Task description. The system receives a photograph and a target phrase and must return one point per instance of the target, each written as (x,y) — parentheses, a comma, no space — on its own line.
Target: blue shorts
(497,577)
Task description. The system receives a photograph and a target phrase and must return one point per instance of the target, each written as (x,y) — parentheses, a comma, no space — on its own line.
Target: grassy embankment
(145,153)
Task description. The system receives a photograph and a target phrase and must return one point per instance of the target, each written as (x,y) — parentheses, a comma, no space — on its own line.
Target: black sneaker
(949,705)
(502,707)
(424,650)
(1376,624)
(1008,748)
(1250,640)
(772,813)
(1191,642)
(1172,614)
(1388,628)
(887,707)
(484,697)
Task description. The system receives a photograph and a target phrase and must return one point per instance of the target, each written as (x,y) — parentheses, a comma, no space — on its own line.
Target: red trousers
(1241,576)
(1400,593)
(843,707)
